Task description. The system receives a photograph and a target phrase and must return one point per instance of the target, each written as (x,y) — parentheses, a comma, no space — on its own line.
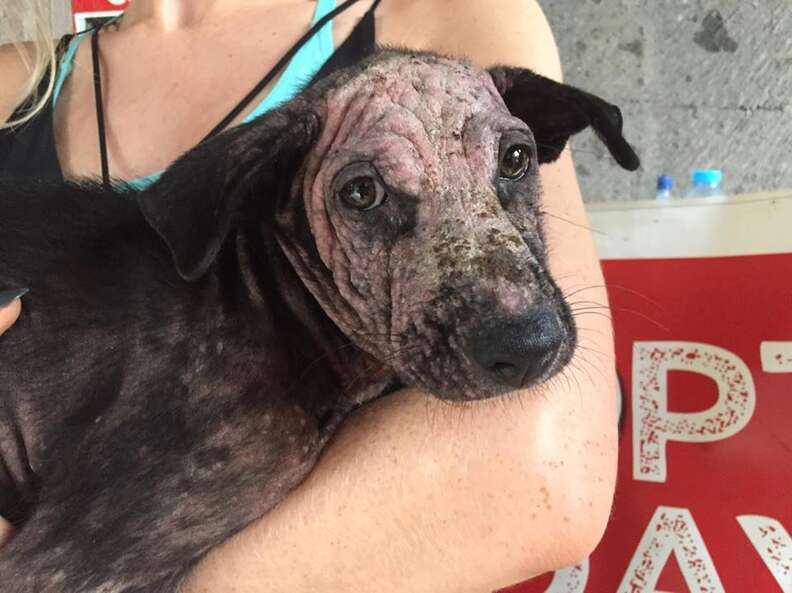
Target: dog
(186,352)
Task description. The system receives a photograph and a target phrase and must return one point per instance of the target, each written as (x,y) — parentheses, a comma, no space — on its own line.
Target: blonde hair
(34,18)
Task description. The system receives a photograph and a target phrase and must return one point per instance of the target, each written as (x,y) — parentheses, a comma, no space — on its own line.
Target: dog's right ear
(556,111)
(234,175)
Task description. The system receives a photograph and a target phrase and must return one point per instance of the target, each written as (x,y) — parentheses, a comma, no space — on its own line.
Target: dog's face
(422,198)
(414,217)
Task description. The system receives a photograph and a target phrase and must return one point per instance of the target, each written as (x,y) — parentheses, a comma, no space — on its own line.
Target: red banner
(88,12)
(704,496)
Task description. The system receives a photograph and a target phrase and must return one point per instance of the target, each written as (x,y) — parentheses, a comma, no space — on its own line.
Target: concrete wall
(61,16)
(12,30)
(701,83)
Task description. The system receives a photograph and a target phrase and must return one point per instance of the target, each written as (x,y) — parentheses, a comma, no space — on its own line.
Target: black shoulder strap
(63,44)
(100,121)
(269,76)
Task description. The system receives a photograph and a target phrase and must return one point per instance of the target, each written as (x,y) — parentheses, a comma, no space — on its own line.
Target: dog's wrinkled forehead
(437,90)
(421,104)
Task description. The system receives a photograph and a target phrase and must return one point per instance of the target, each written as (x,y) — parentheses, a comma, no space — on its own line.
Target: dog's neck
(268,282)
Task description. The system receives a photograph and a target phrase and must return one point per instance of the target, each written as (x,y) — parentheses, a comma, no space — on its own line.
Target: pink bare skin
(447,247)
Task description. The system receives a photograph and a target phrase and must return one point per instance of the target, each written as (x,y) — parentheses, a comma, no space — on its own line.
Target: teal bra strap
(141,183)
(65,66)
(305,63)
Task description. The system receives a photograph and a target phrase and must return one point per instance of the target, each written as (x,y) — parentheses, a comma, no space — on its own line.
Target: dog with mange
(186,352)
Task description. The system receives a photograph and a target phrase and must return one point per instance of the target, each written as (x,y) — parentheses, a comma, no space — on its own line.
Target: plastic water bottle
(706,183)
(665,183)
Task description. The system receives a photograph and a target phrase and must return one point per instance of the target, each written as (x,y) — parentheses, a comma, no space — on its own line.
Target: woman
(411,495)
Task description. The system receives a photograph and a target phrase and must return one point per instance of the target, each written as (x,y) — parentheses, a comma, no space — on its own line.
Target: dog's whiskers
(577,224)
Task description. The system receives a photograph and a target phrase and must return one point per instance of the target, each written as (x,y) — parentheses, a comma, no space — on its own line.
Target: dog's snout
(518,349)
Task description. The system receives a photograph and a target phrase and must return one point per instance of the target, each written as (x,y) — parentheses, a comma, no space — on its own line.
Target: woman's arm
(416,495)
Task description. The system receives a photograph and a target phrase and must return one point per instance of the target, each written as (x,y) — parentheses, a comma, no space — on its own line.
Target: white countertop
(747,224)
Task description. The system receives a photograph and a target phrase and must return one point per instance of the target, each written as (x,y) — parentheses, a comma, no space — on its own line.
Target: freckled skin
(451,243)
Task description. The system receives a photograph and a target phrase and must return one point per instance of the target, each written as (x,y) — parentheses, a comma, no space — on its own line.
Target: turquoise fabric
(305,63)
(65,67)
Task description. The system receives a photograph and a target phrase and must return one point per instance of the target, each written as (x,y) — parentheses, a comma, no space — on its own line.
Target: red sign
(704,496)
(88,12)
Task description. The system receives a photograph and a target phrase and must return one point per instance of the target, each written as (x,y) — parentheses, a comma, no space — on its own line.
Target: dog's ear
(231,177)
(556,111)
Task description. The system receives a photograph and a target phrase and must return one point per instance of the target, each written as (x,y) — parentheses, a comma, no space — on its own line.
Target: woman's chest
(163,92)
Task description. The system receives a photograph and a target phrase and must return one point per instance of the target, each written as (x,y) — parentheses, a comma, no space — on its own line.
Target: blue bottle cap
(711,177)
(665,182)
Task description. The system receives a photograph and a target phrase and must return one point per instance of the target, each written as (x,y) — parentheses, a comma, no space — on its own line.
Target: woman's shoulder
(514,32)
(14,72)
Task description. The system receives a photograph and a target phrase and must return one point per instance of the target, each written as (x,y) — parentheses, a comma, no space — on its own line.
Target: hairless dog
(186,352)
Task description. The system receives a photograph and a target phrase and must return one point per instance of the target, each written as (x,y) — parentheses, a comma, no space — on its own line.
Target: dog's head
(405,194)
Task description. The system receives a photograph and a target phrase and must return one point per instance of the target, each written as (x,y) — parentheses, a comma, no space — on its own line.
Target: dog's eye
(515,161)
(363,193)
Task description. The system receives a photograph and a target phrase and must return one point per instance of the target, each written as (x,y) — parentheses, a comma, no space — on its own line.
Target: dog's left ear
(556,111)
(234,176)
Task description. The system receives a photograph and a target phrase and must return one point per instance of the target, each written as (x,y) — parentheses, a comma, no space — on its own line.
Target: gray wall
(12,30)
(701,84)
(61,16)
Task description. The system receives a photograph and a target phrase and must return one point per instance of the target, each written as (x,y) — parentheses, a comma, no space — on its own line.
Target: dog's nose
(517,349)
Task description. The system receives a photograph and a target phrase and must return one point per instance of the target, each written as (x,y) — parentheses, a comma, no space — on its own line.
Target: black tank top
(29,150)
